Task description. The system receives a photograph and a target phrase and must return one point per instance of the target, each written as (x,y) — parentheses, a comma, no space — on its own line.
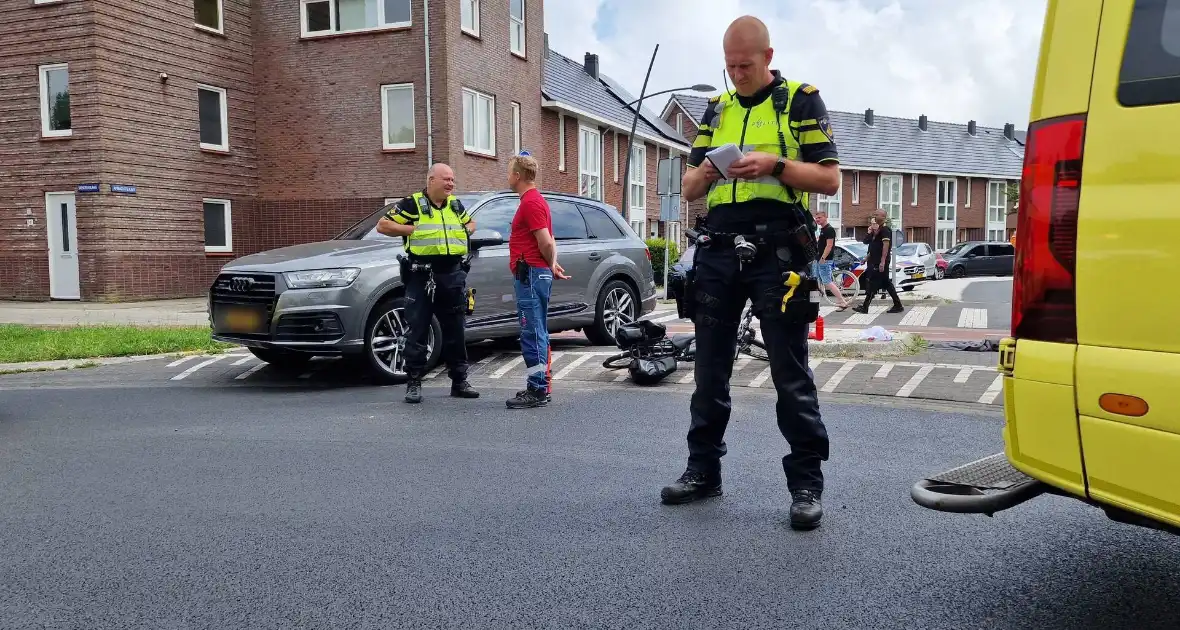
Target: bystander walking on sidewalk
(532,253)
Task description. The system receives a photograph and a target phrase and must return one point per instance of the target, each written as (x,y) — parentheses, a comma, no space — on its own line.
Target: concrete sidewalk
(183,312)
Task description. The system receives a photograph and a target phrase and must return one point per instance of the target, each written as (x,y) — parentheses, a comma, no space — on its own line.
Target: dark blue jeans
(532,306)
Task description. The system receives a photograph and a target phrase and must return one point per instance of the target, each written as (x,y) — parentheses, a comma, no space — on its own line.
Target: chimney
(922,122)
(592,65)
(869,117)
(1010,131)
(545,55)
(971,127)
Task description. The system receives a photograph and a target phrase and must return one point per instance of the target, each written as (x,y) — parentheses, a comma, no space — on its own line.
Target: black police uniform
(448,305)
(722,286)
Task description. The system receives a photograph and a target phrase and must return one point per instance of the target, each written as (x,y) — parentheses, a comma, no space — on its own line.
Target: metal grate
(990,473)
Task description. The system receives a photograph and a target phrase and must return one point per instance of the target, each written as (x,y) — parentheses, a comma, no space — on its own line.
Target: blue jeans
(532,306)
(822,271)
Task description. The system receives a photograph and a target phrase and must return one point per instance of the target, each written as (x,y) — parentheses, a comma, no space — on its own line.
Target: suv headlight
(321,278)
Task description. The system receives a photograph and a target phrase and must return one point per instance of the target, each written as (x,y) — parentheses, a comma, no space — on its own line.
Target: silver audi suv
(344,297)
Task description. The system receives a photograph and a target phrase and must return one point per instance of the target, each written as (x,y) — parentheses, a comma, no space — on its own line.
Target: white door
(61,226)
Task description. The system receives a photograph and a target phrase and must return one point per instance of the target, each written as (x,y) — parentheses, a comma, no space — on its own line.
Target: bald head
(440,182)
(748,54)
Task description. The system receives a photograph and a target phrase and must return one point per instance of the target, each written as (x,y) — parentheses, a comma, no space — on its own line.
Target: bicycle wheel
(618,361)
(848,284)
(755,349)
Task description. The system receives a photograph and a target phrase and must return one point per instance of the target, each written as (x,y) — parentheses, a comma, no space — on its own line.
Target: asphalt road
(998,292)
(260,508)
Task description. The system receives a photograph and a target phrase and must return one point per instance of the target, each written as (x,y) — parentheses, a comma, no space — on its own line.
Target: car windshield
(908,249)
(860,250)
(366,228)
(956,249)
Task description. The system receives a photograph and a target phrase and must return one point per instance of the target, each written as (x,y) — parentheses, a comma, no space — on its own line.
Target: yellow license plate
(918,276)
(241,320)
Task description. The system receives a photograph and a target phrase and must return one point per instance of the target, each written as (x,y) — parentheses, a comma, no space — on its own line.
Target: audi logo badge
(241,284)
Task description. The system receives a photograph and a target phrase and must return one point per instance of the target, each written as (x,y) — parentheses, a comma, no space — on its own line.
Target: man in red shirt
(532,255)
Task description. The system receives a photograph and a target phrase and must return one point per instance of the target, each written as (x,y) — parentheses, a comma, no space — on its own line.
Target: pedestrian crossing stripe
(922,316)
(902,379)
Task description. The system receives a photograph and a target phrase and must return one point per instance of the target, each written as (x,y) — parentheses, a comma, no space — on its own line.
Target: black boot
(691,486)
(463,389)
(414,391)
(806,510)
(528,398)
(548,396)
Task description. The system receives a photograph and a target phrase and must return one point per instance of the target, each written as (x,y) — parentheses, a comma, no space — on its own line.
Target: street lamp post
(636,106)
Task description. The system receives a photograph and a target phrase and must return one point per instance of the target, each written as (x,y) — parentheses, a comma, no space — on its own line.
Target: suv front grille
(244,288)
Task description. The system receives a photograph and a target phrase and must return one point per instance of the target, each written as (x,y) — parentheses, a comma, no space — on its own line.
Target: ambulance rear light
(1044,287)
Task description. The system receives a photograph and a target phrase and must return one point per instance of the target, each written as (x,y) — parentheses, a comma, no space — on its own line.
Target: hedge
(656,246)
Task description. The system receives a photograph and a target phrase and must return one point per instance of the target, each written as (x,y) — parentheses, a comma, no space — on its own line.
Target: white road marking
(585,356)
(918,316)
(973,318)
(863,319)
(504,369)
(993,390)
(884,370)
(741,363)
(244,360)
(185,374)
(914,381)
(760,379)
(182,360)
(666,318)
(833,382)
(435,372)
(688,377)
(824,311)
(247,373)
(963,375)
(623,375)
(814,363)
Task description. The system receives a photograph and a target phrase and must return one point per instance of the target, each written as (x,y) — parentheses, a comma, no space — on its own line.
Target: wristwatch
(778,167)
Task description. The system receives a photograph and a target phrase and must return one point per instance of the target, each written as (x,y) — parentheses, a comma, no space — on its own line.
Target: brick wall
(33,165)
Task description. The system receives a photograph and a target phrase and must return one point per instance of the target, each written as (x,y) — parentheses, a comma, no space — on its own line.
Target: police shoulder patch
(807,88)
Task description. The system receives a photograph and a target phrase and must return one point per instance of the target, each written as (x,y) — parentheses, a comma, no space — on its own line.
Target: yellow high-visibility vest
(437,231)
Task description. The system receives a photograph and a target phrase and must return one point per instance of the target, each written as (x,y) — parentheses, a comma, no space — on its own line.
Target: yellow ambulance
(1091,371)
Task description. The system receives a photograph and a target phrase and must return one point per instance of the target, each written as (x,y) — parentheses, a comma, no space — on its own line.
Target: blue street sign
(123,188)
(523,152)
(88,188)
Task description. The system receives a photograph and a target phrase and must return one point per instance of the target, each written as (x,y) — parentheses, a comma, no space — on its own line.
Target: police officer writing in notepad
(435,226)
(761,242)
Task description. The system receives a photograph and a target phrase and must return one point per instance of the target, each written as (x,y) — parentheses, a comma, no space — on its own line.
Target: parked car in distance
(345,297)
(915,262)
(980,258)
(940,262)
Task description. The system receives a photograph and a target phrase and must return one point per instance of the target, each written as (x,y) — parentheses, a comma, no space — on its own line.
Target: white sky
(953,60)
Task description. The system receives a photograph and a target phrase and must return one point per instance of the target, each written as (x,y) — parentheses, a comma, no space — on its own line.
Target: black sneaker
(897,308)
(527,399)
(548,396)
(860,309)
(414,391)
(463,389)
(806,510)
(691,486)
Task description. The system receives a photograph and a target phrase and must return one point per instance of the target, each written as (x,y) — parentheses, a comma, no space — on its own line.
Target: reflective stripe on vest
(755,129)
(439,233)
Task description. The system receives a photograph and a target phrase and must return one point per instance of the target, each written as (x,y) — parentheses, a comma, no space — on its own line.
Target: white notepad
(723,156)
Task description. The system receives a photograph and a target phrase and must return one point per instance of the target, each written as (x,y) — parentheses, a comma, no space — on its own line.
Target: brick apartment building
(145,144)
(942,183)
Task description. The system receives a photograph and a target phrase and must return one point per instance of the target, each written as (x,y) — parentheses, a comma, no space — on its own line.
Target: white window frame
(889,197)
(476,96)
(855,188)
(615,155)
(516,133)
(967,201)
(942,244)
(832,205)
(382,25)
(997,203)
(589,138)
(947,208)
(680,123)
(473,30)
(561,142)
(220,30)
(992,235)
(224,146)
(43,83)
(673,234)
(524,33)
(385,143)
(229,226)
(638,179)
(914,189)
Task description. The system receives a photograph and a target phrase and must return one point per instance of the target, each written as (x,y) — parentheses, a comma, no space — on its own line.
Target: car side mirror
(485,238)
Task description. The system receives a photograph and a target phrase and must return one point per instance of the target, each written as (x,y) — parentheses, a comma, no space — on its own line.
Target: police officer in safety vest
(759,246)
(435,227)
